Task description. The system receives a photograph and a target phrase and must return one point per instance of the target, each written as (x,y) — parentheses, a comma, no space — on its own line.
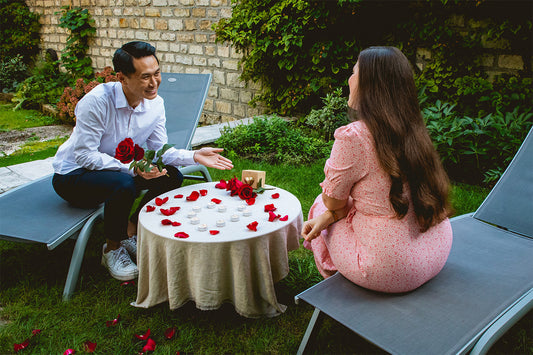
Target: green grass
(32,280)
(20,119)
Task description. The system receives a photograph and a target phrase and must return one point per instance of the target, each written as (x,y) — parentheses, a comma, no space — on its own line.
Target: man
(86,170)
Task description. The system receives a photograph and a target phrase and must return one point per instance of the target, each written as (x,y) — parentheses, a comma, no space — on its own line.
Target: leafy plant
(80,24)
(331,116)
(12,72)
(273,140)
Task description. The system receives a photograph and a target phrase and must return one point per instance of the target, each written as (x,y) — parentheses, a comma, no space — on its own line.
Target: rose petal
(150,345)
(125,283)
(253,226)
(216,200)
(166,222)
(89,346)
(181,235)
(35,331)
(169,212)
(160,201)
(170,332)
(150,208)
(276,195)
(23,345)
(69,352)
(143,336)
(221,185)
(286,217)
(193,196)
(214,232)
(250,201)
(176,224)
(270,208)
(203,192)
(113,322)
(178,196)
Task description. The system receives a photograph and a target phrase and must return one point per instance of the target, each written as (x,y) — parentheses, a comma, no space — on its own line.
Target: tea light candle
(247,212)
(195,220)
(211,205)
(196,209)
(234,218)
(202,227)
(241,208)
(221,223)
(221,208)
(191,214)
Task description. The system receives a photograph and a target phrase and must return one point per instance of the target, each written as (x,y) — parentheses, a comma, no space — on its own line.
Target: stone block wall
(181,32)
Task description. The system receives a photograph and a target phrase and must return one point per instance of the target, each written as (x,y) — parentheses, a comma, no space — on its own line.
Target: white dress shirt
(104,119)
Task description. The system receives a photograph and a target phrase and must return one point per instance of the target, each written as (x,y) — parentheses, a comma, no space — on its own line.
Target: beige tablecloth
(237,265)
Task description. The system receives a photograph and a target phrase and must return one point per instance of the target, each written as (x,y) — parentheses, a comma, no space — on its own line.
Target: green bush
(12,72)
(331,116)
(273,140)
(19,31)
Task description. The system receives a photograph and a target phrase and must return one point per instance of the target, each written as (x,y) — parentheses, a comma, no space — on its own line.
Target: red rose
(245,192)
(138,152)
(125,151)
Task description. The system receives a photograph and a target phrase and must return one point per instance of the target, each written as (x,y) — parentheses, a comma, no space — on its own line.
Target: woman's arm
(336,211)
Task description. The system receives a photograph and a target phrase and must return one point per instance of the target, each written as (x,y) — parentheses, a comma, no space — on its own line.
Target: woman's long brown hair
(387,102)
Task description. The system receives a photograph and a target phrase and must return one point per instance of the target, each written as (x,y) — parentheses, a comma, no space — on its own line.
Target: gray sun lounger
(34,213)
(485,287)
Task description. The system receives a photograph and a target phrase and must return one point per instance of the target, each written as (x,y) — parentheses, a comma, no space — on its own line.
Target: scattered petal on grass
(203,192)
(35,332)
(250,201)
(178,196)
(270,207)
(214,232)
(193,196)
(125,283)
(150,345)
(276,195)
(160,201)
(181,235)
(170,332)
(23,345)
(150,208)
(253,226)
(89,347)
(216,200)
(69,352)
(143,336)
(284,218)
(113,322)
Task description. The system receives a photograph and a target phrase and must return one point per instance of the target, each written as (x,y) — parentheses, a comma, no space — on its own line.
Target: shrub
(331,116)
(12,72)
(72,95)
(273,140)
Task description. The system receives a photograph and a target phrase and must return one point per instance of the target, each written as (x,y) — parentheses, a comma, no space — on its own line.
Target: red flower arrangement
(238,188)
(130,153)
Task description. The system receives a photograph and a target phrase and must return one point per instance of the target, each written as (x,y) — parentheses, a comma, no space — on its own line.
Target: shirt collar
(122,102)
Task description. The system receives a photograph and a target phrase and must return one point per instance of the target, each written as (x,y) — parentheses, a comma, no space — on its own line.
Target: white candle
(196,209)
(247,212)
(195,220)
(241,208)
(221,208)
(221,223)
(191,214)
(211,205)
(234,218)
(202,227)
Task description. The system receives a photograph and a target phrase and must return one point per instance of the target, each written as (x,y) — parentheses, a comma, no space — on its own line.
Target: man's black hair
(123,58)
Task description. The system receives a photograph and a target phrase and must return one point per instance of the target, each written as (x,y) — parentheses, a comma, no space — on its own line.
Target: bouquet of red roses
(128,152)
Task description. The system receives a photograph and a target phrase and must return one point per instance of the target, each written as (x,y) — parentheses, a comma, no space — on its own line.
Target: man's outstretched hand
(210,158)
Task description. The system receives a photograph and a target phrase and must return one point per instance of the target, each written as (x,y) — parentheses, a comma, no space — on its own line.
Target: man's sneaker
(130,244)
(119,264)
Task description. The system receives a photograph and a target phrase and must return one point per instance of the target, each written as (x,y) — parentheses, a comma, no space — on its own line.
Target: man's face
(142,84)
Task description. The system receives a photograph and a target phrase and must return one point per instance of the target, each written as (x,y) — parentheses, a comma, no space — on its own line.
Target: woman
(382,219)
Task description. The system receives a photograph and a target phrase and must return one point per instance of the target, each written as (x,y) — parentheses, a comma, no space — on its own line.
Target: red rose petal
(150,208)
(178,196)
(272,216)
(203,192)
(181,235)
(23,345)
(286,217)
(176,224)
(214,232)
(69,352)
(35,331)
(160,201)
(276,195)
(113,322)
(89,346)
(221,185)
(150,345)
(270,208)
(166,222)
(253,226)
(169,211)
(125,283)
(216,200)
(170,332)
(250,201)
(193,196)
(143,336)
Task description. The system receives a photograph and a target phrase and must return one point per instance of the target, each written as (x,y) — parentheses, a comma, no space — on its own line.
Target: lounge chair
(53,220)
(485,287)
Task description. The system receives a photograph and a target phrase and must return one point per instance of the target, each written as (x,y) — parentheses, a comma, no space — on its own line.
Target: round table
(204,251)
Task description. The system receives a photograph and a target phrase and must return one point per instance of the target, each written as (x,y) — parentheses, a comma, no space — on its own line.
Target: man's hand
(210,158)
(152,174)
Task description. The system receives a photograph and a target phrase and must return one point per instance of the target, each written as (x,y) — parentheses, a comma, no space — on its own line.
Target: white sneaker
(119,264)
(130,244)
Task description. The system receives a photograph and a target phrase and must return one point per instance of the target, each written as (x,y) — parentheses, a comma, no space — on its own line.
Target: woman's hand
(312,228)
(152,174)
(210,158)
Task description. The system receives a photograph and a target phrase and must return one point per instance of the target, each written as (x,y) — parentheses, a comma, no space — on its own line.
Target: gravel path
(13,140)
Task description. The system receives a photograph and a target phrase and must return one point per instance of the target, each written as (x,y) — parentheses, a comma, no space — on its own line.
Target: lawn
(32,280)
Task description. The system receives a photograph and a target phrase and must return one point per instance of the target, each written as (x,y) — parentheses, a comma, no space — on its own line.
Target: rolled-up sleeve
(346,165)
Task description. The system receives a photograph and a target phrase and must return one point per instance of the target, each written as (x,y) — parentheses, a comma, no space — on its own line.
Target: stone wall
(181,32)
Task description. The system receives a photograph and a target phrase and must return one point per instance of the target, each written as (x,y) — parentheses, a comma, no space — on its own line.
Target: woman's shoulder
(354,130)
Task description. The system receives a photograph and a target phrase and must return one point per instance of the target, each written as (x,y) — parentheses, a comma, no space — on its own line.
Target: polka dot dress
(371,246)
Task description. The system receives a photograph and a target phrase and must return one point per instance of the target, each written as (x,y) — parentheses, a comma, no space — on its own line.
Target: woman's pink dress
(371,246)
